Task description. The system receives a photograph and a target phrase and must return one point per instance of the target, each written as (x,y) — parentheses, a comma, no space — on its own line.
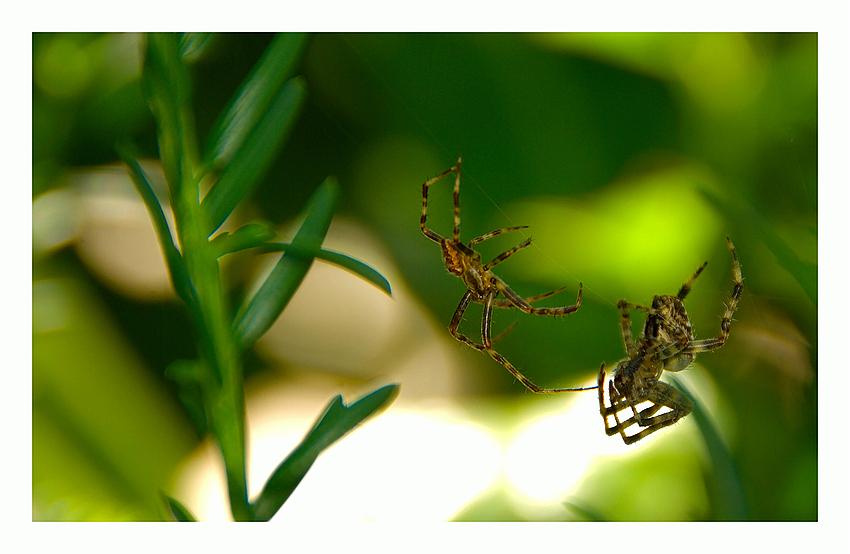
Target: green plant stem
(226,399)
(170,99)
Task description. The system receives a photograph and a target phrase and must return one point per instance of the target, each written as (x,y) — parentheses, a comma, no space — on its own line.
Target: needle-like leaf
(258,314)
(178,511)
(346,262)
(337,420)
(251,161)
(727,494)
(176,267)
(248,236)
(804,272)
(255,235)
(253,98)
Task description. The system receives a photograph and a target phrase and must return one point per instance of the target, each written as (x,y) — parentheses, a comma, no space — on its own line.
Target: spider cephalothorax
(482,286)
(666,344)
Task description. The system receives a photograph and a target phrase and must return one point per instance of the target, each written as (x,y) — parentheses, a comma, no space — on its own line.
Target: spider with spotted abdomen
(482,286)
(666,344)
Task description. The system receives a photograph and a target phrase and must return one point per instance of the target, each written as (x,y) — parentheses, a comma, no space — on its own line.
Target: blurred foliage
(630,156)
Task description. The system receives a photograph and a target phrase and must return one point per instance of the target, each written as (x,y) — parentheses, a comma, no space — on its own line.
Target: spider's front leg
(626,326)
(726,322)
(422,218)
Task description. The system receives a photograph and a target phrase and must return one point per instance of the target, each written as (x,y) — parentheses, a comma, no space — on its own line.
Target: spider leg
(524,306)
(425,231)
(504,255)
(604,410)
(686,288)
(502,303)
(618,404)
(639,417)
(492,234)
(731,306)
(486,322)
(600,381)
(456,319)
(504,333)
(626,326)
(662,395)
(616,407)
(456,196)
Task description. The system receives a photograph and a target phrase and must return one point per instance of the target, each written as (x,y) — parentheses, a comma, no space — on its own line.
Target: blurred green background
(629,156)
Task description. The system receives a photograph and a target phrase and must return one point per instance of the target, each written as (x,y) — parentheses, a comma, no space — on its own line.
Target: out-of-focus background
(630,157)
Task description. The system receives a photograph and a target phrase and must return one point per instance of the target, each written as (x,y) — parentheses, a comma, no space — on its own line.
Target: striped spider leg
(666,344)
(482,286)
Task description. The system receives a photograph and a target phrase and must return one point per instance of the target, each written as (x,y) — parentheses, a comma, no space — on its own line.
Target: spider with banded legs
(666,344)
(482,286)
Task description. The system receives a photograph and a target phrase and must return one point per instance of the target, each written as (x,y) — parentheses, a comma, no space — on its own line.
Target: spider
(667,344)
(482,285)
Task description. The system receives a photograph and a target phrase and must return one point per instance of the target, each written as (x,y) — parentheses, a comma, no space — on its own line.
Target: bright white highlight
(546,460)
(406,465)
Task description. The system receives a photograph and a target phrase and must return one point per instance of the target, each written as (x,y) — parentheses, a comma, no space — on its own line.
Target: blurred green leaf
(584,513)
(178,510)
(258,314)
(105,430)
(253,98)
(166,85)
(337,420)
(805,273)
(192,45)
(251,162)
(346,262)
(192,380)
(724,486)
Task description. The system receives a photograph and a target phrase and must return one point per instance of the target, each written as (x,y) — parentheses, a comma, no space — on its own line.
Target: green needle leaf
(251,162)
(805,273)
(256,235)
(337,420)
(255,317)
(192,378)
(178,510)
(176,267)
(727,494)
(253,98)
(192,45)
(248,236)
(346,262)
